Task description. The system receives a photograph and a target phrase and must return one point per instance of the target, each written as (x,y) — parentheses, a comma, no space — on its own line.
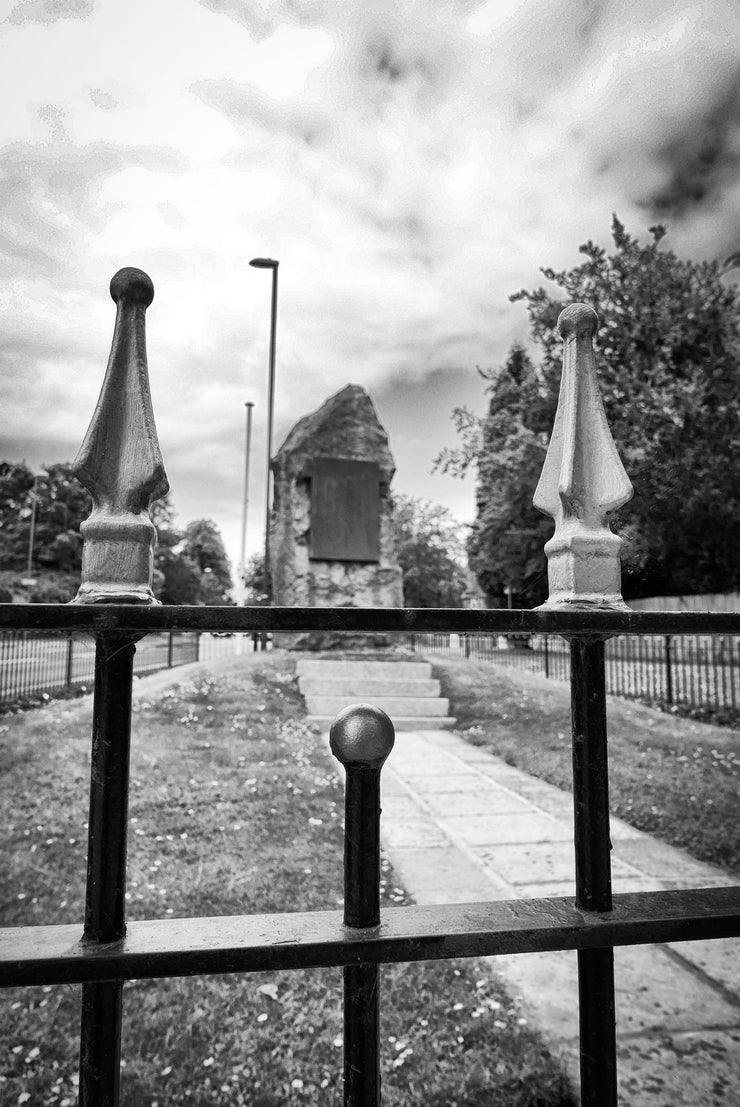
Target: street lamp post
(245,502)
(269,263)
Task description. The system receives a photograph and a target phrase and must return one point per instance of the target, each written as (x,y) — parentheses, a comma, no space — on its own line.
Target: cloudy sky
(409,162)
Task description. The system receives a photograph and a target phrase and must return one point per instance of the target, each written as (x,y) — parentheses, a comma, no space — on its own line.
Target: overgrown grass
(235,808)
(672,777)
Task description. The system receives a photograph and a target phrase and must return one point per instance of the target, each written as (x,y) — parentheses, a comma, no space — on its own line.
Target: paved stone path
(461,825)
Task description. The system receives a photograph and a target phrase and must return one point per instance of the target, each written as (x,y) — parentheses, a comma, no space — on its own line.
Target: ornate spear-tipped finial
(583,478)
(120,462)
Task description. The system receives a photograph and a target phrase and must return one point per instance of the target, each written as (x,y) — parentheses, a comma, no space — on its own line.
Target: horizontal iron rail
(255,943)
(95,618)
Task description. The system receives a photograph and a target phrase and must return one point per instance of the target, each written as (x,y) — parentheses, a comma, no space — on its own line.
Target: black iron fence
(34,663)
(120,464)
(689,672)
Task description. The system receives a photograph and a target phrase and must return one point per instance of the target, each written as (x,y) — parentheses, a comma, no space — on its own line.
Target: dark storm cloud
(704,159)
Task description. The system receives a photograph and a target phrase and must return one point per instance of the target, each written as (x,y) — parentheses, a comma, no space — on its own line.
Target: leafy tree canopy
(668,349)
(189,567)
(431,552)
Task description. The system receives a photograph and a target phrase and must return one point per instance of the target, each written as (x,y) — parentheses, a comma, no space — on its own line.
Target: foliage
(61,504)
(431,553)
(255,583)
(190,567)
(668,350)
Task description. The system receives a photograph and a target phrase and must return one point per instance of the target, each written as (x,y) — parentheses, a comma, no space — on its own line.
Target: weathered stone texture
(345,428)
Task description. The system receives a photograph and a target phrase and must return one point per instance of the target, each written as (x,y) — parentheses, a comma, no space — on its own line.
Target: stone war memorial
(332,537)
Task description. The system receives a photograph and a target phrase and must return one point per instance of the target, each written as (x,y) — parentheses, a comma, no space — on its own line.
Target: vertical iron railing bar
(731,664)
(723,671)
(105,896)
(692,690)
(593,871)
(361,738)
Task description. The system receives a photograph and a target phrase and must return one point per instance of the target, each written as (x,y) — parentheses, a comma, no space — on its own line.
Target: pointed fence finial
(583,478)
(120,462)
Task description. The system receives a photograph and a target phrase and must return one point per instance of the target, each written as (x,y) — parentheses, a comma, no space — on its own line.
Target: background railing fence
(699,672)
(34,663)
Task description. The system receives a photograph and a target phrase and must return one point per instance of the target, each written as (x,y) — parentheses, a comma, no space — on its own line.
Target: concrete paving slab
(654,994)
(484,801)
(407,833)
(439,785)
(693,1069)
(500,829)
(445,875)
(717,959)
(657,859)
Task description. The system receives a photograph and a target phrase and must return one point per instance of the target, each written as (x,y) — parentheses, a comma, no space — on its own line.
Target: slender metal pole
(270,418)
(245,502)
(593,871)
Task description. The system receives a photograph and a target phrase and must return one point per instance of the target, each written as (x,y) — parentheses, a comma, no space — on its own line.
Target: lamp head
(264,263)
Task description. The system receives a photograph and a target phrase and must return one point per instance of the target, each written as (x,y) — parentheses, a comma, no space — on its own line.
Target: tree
(61,504)
(255,582)
(431,553)
(668,349)
(203,547)
(182,573)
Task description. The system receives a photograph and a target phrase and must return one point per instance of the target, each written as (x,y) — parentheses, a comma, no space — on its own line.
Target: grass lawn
(235,808)
(672,777)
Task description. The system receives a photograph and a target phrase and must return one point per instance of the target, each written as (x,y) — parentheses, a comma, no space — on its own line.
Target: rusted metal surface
(345,510)
(256,943)
(583,478)
(120,462)
(361,737)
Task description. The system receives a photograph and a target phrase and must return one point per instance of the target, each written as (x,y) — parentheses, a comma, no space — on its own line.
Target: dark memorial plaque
(345,510)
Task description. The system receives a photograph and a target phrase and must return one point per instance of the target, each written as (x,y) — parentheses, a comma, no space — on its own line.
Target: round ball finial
(133,285)
(578,319)
(362,735)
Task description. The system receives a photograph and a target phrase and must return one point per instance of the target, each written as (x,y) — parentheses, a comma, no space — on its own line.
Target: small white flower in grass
(296,1084)
(262,1018)
(167,1071)
(208,1062)
(23,1097)
(521,1022)
(338,1042)
(457,1007)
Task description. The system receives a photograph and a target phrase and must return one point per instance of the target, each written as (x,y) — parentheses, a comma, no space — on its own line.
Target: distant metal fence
(34,663)
(686,671)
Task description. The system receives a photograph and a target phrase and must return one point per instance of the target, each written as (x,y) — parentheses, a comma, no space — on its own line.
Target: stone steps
(366,670)
(405,690)
(352,686)
(392,705)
